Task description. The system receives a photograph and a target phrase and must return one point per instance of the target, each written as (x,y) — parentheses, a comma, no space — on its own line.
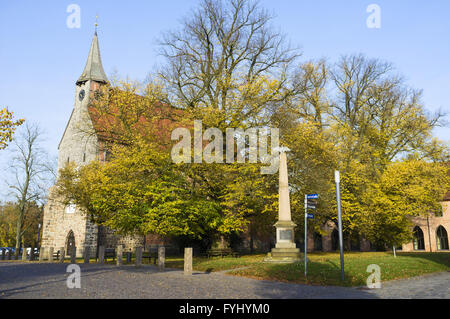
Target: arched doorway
(70,242)
(317,242)
(334,240)
(418,241)
(441,238)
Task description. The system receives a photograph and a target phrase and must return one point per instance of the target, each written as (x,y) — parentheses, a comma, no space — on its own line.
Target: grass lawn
(324,268)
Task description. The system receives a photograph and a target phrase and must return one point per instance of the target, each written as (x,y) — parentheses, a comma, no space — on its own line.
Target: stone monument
(285,250)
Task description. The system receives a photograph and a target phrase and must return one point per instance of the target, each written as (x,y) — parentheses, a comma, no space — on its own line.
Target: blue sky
(41,58)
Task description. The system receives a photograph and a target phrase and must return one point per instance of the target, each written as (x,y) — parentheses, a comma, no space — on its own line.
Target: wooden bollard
(73,255)
(161,258)
(41,254)
(138,260)
(188,261)
(119,255)
(62,254)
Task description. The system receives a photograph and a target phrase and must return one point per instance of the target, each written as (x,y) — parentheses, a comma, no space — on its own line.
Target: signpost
(308,205)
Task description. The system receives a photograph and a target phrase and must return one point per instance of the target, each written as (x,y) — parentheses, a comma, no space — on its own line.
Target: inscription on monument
(285,234)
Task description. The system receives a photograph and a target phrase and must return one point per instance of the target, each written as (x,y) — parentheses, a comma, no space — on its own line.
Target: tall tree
(224,50)
(33,173)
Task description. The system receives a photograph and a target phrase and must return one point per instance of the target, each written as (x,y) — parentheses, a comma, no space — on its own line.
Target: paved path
(45,280)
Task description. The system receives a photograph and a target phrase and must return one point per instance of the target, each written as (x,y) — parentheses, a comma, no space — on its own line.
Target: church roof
(94,68)
(156,119)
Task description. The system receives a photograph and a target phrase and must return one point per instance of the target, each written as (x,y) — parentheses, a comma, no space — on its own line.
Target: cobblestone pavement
(48,280)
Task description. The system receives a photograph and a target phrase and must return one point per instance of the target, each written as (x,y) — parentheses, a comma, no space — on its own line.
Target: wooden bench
(150,255)
(56,255)
(221,252)
(110,253)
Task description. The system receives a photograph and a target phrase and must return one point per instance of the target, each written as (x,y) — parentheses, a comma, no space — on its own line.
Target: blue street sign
(310,216)
(312,196)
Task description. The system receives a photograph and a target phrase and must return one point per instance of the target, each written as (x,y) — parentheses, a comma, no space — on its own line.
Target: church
(66,226)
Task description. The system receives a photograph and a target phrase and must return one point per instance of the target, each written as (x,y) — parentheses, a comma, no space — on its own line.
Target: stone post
(161,258)
(119,255)
(62,254)
(41,254)
(188,261)
(101,254)
(32,254)
(3,253)
(138,256)
(50,254)
(73,255)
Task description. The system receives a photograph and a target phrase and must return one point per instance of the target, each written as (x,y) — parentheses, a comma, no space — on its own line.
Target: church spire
(94,68)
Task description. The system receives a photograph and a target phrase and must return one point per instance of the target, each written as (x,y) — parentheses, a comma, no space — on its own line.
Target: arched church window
(441,238)
(418,240)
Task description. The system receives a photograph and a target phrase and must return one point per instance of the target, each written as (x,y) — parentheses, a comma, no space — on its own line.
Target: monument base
(285,250)
(284,255)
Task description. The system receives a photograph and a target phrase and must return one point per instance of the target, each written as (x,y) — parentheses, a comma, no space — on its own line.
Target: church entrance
(70,242)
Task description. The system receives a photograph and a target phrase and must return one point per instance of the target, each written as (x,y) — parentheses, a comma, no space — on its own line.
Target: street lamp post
(337,180)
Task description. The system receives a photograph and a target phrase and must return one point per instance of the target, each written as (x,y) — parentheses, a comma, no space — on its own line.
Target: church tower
(67,226)
(79,142)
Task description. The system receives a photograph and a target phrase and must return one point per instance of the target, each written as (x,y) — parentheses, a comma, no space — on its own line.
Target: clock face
(81,95)
(70,209)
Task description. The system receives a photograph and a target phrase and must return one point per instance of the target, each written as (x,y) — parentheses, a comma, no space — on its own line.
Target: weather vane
(96,22)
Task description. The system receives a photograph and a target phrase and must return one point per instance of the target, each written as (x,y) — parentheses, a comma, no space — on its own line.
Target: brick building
(430,234)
